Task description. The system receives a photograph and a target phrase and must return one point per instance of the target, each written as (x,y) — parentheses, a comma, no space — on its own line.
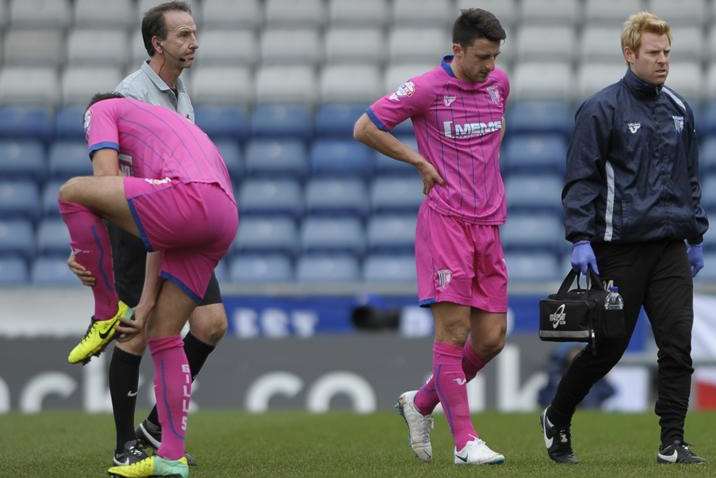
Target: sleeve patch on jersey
(88,120)
(406,89)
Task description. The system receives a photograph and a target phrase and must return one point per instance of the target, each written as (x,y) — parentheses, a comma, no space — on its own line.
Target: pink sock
(172,389)
(450,386)
(90,243)
(427,397)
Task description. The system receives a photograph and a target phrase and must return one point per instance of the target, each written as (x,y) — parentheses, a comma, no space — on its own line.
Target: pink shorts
(193,224)
(459,262)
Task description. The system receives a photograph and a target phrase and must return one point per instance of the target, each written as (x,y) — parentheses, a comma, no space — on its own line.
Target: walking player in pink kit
(457,110)
(180,203)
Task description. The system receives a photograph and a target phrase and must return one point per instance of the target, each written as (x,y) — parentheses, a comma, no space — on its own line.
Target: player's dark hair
(103,96)
(155,25)
(474,23)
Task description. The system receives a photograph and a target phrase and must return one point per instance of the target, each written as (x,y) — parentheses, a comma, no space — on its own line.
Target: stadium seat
(391,233)
(592,77)
(138,53)
(534,192)
(114,14)
(22,159)
(540,117)
(270,196)
(39,48)
(708,192)
(13,271)
(551,12)
(546,42)
(53,239)
(242,14)
(610,12)
(396,194)
(681,12)
(423,12)
(222,85)
(535,153)
(280,120)
(261,269)
(350,45)
(281,46)
(707,156)
(17,238)
(533,232)
(337,197)
(97,47)
(331,235)
(4,14)
(274,158)
(396,75)
(228,122)
(416,45)
(370,13)
(707,125)
(707,274)
(600,44)
(266,235)
(687,44)
(31,122)
(535,267)
(28,86)
(272,87)
(327,269)
(542,80)
(505,10)
(52,271)
(49,198)
(338,119)
(228,47)
(290,13)
(233,158)
(68,159)
(389,268)
(350,83)
(79,84)
(40,13)
(19,199)
(69,122)
(687,79)
(335,157)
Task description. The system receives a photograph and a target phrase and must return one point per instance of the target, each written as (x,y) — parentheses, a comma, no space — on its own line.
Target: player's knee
(489,346)
(209,326)
(68,189)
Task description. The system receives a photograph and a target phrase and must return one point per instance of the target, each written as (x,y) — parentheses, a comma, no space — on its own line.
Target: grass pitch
(231,444)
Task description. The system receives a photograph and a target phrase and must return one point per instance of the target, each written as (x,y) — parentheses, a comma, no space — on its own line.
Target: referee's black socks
(123,385)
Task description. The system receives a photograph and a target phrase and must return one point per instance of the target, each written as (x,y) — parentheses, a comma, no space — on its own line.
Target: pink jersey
(154,142)
(458,126)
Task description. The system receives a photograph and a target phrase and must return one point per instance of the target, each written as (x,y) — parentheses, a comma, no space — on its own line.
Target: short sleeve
(101,127)
(412,98)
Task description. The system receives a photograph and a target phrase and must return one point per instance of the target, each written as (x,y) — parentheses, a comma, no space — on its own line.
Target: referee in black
(632,212)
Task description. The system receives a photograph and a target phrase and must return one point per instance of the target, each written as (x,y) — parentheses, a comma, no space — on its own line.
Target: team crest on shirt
(448,100)
(634,127)
(406,89)
(443,278)
(678,123)
(494,94)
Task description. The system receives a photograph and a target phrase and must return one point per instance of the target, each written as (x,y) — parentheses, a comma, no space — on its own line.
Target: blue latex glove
(696,258)
(583,257)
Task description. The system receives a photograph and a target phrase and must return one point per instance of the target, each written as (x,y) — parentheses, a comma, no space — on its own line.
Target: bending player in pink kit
(180,203)
(457,110)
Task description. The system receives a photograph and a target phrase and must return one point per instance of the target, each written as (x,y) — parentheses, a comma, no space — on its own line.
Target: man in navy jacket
(632,212)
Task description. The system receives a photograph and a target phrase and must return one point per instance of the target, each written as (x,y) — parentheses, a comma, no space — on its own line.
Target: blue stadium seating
(707,126)
(539,117)
(534,193)
(231,153)
(337,157)
(276,158)
(270,196)
(330,235)
(222,121)
(266,235)
(389,268)
(535,154)
(23,159)
(391,234)
(69,122)
(52,271)
(13,271)
(281,120)
(707,155)
(535,267)
(327,268)
(53,238)
(708,192)
(393,194)
(336,197)
(19,199)
(68,159)
(337,119)
(385,165)
(49,198)
(17,238)
(533,232)
(264,268)
(26,122)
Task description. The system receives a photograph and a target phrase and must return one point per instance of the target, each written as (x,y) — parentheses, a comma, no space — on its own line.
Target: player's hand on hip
(82,274)
(429,175)
(583,257)
(695,252)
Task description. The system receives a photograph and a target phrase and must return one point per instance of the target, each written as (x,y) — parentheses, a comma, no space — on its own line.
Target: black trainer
(131,453)
(558,441)
(150,436)
(678,452)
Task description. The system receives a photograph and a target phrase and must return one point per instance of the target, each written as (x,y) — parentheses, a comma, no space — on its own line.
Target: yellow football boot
(152,466)
(98,335)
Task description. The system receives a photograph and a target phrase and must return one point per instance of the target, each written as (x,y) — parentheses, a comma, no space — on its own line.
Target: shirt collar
(445,64)
(157,80)
(640,86)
